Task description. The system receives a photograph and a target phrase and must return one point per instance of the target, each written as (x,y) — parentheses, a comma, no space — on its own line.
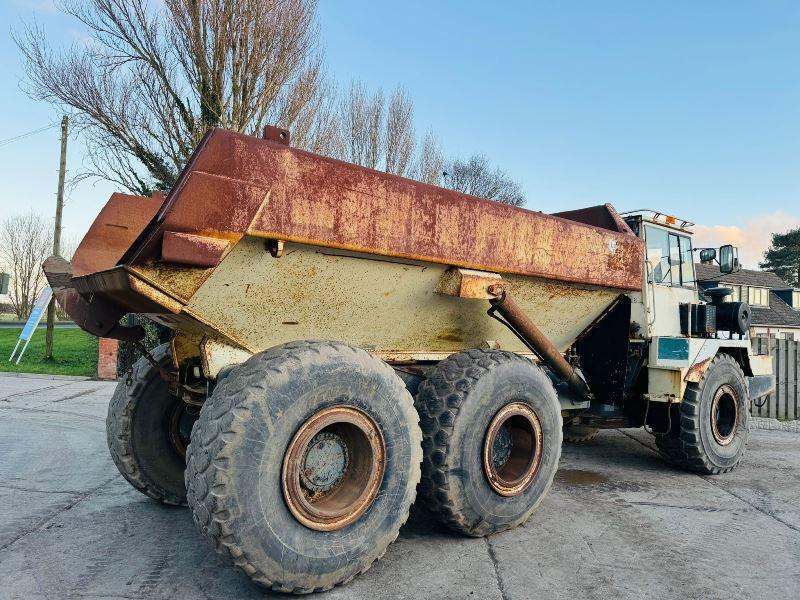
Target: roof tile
(743,277)
(779,314)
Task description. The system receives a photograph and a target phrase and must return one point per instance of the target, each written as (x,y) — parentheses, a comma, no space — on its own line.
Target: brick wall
(107,359)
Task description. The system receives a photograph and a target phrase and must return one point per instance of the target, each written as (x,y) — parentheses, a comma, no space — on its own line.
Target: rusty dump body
(259,243)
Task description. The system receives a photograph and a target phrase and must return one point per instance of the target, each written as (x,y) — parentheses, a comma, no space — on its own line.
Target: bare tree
(376,134)
(475,176)
(429,163)
(361,126)
(400,139)
(155,76)
(24,244)
(380,137)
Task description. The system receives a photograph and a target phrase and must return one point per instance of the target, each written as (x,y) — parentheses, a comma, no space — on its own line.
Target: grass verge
(74,353)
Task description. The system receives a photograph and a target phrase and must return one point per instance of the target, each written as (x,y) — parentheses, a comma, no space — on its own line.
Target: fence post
(774,398)
(795,346)
(784,402)
(791,380)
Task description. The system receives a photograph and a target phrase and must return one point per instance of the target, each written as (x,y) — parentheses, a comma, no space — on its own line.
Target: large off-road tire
(245,489)
(710,433)
(468,481)
(576,434)
(147,430)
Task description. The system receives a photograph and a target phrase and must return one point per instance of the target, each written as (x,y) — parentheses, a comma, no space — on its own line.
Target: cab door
(670,279)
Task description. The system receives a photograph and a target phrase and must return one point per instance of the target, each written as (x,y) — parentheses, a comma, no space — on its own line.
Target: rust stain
(141,288)
(96,316)
(322,201)
(696,371)
(193,250)
(180,281)
(451,335)
(235,185)
(114,229)
(346,301)
(466,283)
(185,345)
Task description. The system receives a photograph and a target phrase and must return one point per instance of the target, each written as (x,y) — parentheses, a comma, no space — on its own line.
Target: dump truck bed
(260,243)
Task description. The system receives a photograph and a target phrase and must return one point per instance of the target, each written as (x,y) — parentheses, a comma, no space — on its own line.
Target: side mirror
(728,261)
(707,255)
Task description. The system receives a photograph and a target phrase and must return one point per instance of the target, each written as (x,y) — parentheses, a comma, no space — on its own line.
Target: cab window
(687,262)
(658,255)
(669,258)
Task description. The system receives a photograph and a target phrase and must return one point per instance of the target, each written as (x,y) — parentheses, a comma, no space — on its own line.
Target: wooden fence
(784,402)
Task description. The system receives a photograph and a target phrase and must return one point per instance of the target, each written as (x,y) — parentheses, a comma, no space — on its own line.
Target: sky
(688,107)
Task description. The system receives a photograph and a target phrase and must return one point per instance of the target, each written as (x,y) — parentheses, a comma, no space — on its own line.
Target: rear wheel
(304,464)
(148,432)
(710,431)
(491,425)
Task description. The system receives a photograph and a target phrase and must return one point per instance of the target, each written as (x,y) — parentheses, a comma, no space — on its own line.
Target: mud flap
(760,385)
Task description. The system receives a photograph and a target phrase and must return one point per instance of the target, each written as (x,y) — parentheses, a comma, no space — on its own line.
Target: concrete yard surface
(618,523)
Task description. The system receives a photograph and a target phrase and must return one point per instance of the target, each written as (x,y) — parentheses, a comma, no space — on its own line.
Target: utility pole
(62,170)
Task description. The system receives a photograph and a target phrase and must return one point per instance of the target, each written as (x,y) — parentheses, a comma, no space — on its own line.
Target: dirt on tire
(456,403)
(690,443)
(137,435)
(237,448)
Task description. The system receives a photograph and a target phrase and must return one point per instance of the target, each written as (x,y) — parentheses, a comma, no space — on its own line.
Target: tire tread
(683,447)
(446,394)
(119,428)
(206,473)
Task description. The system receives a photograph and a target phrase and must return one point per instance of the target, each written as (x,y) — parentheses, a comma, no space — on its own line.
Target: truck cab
(684,329)
(689,355)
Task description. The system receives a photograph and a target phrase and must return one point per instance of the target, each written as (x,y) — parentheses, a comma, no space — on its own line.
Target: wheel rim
(724,415)
(180,427)
(333,468)
(512,449)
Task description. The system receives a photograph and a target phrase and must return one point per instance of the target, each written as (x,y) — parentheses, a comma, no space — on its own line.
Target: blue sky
(691,107)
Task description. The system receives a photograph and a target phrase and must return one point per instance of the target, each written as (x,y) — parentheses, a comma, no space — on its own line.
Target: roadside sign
(33,321)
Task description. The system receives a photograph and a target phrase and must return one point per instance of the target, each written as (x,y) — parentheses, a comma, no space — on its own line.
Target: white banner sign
(33,322)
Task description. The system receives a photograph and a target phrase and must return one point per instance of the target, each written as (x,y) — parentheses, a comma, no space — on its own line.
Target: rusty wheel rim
(724,415)
(512,449)
(333,468)
(180,427)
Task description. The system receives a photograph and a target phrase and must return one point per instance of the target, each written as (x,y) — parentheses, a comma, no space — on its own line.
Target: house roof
(779,314)
(742,277)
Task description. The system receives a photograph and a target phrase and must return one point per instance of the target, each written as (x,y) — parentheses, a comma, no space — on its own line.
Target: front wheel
(710,428)
(304,464)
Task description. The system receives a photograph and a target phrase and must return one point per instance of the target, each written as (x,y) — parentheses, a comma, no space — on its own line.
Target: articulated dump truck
(345,340)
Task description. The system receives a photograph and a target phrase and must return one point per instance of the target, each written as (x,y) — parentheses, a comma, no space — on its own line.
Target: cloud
(752,238)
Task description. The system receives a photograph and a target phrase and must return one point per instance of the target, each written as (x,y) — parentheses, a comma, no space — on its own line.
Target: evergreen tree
(783,256)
